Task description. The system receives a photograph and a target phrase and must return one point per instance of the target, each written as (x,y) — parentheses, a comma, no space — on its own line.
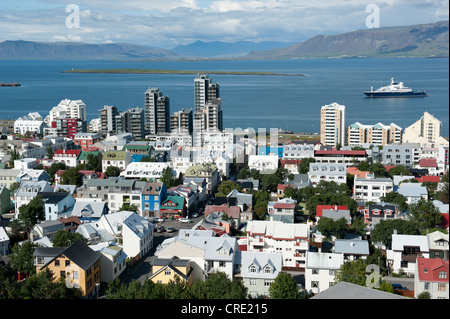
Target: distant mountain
(67,50)
(219,49)
(417,40)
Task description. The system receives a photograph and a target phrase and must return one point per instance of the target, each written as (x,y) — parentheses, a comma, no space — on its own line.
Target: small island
(156,71)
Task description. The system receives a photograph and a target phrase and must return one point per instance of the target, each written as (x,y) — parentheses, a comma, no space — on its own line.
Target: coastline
(156,71)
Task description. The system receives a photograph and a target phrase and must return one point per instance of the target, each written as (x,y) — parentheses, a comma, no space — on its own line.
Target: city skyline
(178,22)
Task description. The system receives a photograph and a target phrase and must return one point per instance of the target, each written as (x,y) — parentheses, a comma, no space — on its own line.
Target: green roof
(84,155)
(115,155)
(197,169)
(177,200)
(137,147)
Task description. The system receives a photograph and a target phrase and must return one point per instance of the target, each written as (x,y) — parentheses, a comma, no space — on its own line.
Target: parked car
(160,229)
(194,215)
(171,230)
(398,286)
(184,220)
(157,220)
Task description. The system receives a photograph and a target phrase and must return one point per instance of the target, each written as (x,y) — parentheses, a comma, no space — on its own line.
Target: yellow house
(78,264)
(165,270)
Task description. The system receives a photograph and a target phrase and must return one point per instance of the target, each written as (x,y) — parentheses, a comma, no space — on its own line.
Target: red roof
(427,178)
(445,220)
(320,208)
(429,268)
(340,152)
(290,161)
(427,162)
(231,211)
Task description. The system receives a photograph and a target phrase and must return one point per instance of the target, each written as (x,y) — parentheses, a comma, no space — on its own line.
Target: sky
(168,23)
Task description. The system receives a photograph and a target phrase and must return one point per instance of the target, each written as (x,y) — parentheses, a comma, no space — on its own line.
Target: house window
(67,263)
(314,284)
(442,287)
(57,263)
(252,282)
(442,274)
(267,282)
(426,286)
(253,269)
(315,271)
(267,270)
(75,275)
(167,272)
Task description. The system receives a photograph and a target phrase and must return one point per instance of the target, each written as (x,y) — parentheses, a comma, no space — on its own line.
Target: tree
(226,187)
(54,168)
(147,159)
(65,238)
(382,232)
(379,170)
(128,207)
(112,171)
(93,163)
(50,152)
(328,227)
(21,258)
(284,287)
(443,193)
(71,176)
(353,272)
(398,170)
(219,286)
(395,198)
(167,178)
(32,213)
(425,214)
(303,167)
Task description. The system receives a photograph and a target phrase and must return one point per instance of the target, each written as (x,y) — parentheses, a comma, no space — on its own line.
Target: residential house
(84,157)
(56,204)
(379,211)
(438,245)
(338,211)
(46,228)
(189,195)
(344,157)
(119,159)
(258,271)
(129,230)
(27,191)
(283,212)
(292,240)
(225,212)
(33,175)
(404,251)
(153,195)
(209,254)
(401,154)
(290,164)
(320,270)
(165,270)
(146,170)
(208,171)
(432,165)
(431,275)
(77,264)
(112,261)
(266,164)
(413,192)
(8,177)
(86,141)
(68,157)
(371,189)
(173,207)
(327,172)
(352,249)
(298,151)
(89,210)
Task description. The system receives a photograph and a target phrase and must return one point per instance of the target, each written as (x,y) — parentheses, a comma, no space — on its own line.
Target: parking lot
(176,225)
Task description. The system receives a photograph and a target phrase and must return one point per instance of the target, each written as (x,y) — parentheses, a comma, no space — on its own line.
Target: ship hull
(394,94)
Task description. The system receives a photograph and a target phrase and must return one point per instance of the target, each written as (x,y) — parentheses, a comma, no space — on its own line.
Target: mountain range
(424,40)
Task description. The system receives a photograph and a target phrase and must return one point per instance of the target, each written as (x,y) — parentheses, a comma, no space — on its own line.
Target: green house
(173,207)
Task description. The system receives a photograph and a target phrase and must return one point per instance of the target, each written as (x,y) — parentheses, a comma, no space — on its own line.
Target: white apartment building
(377,134)
(291,240)
(370,188)
(426,131)
(298,151)
(72,109)
(31,123)
(332,125)
(404,251)
(327,172)
(264,163)
(320,270)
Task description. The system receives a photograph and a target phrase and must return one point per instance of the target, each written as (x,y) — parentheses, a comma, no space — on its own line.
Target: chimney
(395,231)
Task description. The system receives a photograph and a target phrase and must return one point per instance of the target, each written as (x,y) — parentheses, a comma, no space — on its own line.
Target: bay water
(291,103)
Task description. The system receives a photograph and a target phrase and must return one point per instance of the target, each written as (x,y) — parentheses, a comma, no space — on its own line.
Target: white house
(320,270)
(264,163)
(32,123)
(431,275)
(371,189)
(292,240)
(209,254)
(413,192)
(404,251)
(112,261)
(327,172)
(258,270)
(27,191)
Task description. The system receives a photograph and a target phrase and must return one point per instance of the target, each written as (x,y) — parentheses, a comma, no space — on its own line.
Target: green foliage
(443,194)
(32,213)
(395,198)
(398,170)
(112,171)
(303,167)
(382,232)
(328,227)
(65,238)
(226,187)
(71,176)
(284,287)
(216,286)
(54,168)
(21,259)
(353,272)
(128,207)
(424,295)
(425,214)
(168,179)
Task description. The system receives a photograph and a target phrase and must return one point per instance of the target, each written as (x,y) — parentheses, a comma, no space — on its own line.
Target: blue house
(266,150)
(152,197)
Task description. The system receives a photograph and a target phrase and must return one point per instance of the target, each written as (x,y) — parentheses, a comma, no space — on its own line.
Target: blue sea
(248,101)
